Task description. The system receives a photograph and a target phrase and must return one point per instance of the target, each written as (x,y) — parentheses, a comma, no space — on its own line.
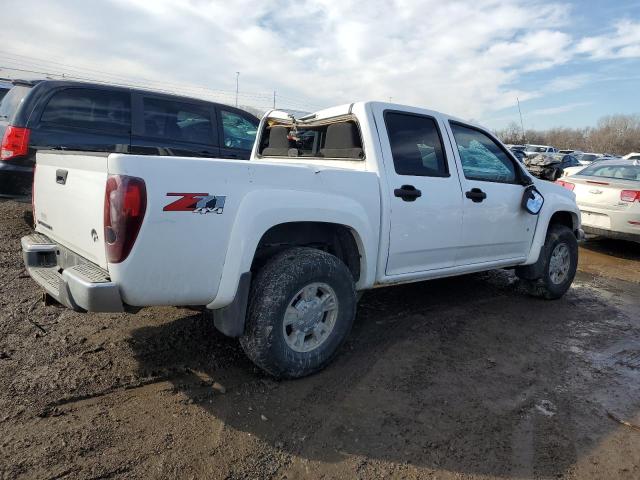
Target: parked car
(588,158)
(608,194)
(518,152)
(550,166)
(568,171)
(632,156)
(67,115)
(532,150)
(5,86)
(575,153)
(349,198)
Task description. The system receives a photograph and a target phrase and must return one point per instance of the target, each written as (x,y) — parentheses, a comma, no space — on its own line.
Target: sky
(569,62)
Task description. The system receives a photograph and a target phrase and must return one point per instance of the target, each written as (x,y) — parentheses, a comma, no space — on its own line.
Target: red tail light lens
(630,195)
(125,203)
(15,143)
(567,185)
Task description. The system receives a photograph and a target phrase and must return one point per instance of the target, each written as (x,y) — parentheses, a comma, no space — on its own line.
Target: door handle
(61,176)
(408,193)
(476,195)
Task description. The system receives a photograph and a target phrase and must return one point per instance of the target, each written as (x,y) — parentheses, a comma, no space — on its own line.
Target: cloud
(465,57)
(623,42)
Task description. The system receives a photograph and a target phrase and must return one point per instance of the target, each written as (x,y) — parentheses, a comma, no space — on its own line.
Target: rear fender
(257,214)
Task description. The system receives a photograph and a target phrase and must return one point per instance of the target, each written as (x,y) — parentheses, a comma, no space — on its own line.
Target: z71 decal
(196,202)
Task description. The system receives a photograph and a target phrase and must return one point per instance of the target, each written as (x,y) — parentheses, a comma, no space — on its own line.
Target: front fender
(556,199)
(261,210)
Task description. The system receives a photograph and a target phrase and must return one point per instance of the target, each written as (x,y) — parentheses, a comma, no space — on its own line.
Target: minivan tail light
(567,185)
(630,195)
(15,143)
(125,203)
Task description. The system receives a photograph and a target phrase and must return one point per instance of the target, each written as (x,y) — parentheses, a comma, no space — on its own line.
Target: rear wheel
(301,308)
(559,262)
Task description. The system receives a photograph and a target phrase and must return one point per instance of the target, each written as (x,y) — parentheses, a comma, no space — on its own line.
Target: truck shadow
(466,375)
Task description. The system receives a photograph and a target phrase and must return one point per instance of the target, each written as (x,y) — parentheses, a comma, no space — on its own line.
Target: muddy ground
(459,378)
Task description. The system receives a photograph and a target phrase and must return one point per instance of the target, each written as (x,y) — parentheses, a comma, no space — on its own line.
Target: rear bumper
(631,237)
(81,286)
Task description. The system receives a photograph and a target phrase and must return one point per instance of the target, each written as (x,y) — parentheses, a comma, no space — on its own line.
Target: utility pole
(274,99)
(524,139)
(237,75)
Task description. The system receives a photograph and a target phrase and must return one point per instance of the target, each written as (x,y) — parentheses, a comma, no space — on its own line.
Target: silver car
(608,195)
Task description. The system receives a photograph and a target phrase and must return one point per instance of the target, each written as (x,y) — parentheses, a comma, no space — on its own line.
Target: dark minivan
(65,115)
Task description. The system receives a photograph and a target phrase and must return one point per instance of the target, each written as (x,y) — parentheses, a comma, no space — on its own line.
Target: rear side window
(99,110)
(416,145)
(12,100)
(481,157)
(238,131)
(175,120)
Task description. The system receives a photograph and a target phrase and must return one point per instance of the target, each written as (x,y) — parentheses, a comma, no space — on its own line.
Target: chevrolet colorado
(279,246)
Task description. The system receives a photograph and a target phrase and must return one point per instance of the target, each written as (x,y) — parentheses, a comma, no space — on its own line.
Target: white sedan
(608,195)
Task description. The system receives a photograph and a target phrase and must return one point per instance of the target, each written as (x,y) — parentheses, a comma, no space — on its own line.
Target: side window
(238,131)
(481,157)
(174,120)
(416,145)
(100,110)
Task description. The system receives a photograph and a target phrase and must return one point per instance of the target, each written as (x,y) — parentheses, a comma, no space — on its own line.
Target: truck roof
(347,108)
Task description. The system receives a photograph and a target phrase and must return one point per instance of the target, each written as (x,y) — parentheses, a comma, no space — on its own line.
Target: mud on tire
(278,286)
(541,279)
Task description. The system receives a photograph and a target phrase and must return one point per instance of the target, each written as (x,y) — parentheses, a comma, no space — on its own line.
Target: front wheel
(301,308)
(559,258)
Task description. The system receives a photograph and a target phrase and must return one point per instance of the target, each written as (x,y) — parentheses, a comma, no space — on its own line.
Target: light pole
(237,75)
(524,138)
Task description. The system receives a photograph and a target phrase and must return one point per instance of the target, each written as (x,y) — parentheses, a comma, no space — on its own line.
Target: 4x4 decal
(196,202)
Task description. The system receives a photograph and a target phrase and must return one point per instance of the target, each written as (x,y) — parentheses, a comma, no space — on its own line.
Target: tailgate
(68,195)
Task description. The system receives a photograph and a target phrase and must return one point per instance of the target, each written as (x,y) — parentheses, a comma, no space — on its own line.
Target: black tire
(273,288)
(537,279)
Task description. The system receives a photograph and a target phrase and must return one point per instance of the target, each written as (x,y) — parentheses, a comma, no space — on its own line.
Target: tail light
(125,203)
(567,185)
(15,143)
(630,195)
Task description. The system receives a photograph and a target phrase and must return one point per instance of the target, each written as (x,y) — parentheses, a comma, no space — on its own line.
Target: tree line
(613,134)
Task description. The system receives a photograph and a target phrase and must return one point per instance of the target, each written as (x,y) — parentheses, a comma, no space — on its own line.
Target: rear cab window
(97,110)
(338,139)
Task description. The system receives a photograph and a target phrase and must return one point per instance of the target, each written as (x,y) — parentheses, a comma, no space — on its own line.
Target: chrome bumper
(79,285)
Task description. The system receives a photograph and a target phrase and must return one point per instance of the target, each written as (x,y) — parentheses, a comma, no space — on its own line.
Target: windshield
(588,157)
(10,102)
(622,172)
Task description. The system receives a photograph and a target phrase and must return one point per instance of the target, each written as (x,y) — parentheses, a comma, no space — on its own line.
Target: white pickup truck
(347,199)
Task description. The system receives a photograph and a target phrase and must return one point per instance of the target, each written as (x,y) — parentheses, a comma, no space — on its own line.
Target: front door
(426,199)
(495,227)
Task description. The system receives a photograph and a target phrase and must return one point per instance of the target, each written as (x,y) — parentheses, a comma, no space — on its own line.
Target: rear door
(237,131)
(426,200)
(165,125)
(495,227)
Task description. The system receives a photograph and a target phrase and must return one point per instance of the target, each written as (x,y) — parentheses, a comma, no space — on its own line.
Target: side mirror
(532,200)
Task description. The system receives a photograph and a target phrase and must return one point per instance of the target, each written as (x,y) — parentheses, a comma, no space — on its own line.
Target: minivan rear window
(92,109)
(171,120)
(12,100)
